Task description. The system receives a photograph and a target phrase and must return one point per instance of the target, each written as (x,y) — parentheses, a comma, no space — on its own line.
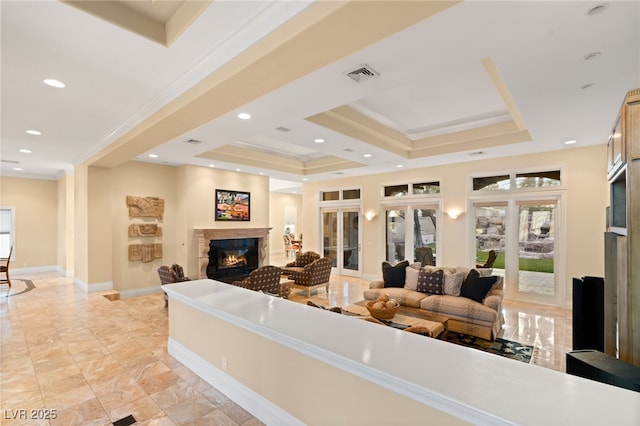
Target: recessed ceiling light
(237,170)
(212,165)
(244,116)
(587,86)
(17,169)
(570,142)
(399,166)
(367,155)
(261,173)
(591,56)
(153,155)
(319,140)
(598,9)
(305,179)
(54,83)
(25,151)
(34,132)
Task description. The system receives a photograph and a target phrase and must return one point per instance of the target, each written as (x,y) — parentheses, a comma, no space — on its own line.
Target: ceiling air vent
(362,73)
(193,141)
(283,129)
(11,161)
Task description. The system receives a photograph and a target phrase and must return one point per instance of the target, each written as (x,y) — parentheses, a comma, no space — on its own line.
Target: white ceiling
(431,82)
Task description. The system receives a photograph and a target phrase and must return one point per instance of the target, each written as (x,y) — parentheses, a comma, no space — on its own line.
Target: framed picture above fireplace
(233,205)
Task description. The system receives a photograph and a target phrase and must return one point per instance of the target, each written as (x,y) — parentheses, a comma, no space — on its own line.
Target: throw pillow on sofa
(411,280)
(452,283)
(476,287)
(430,282)
(394,275)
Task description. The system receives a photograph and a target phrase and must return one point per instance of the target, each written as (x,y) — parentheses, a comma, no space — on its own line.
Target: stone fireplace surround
(205,235)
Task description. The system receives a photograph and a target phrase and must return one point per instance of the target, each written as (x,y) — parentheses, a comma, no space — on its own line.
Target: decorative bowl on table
(382,310)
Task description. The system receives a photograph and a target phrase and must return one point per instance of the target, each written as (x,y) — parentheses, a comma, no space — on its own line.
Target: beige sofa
(465,315)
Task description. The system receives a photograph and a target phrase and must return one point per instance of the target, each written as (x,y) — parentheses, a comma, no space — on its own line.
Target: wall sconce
(454,213)
(369,216)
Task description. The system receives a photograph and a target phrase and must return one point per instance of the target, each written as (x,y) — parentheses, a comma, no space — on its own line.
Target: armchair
(170,275)
(302,260)
(493,255)
(424,255)
(315,274)
(265,279)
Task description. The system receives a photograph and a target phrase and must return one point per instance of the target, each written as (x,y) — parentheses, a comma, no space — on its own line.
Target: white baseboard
(93,287)
(140,291)
(260,407)
(33,270)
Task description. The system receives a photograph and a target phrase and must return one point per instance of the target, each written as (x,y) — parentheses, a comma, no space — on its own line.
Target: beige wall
(36,210)
(278,202)
(586,197)
(196,206)
(141,180)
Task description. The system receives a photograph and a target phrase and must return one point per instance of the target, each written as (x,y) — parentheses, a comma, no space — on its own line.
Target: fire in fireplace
(232,259)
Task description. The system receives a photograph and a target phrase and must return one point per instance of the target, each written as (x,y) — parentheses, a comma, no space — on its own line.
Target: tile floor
(95,361)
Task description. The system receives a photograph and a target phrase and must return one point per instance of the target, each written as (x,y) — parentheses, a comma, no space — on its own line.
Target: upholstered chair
(424,255)
(315,274)
(493,255)
(302,260)
(265,279)
(170,275)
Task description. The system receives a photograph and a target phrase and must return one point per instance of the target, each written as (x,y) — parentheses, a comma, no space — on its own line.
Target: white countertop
(473,385)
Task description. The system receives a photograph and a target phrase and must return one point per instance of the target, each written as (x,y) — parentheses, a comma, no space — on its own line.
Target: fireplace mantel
(204,235)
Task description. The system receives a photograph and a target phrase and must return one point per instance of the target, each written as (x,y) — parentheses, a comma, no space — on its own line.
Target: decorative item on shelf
(145,230)
(145,252)
(383,308)
(145,206)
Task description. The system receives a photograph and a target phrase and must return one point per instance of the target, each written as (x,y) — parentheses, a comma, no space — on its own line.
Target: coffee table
(408,319)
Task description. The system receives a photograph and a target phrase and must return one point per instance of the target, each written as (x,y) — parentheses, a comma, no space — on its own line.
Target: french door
(341,239)
(525,234)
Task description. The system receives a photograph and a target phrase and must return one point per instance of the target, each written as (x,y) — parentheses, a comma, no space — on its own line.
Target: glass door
(536,250)
(523,234)
(491,234)
(341,239)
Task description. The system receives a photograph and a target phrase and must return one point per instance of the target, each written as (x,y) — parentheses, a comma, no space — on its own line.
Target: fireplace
(204,237)
(232,259)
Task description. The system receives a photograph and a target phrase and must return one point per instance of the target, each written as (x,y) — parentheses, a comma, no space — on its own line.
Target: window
(344,194)
(492,183)
(543,179)
(7,231)
(421,188)
(426,188)
(538,179)
(351,194)
(396,190)
(330,195)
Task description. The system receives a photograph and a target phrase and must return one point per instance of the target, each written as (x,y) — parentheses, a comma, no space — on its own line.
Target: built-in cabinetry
(622,239)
